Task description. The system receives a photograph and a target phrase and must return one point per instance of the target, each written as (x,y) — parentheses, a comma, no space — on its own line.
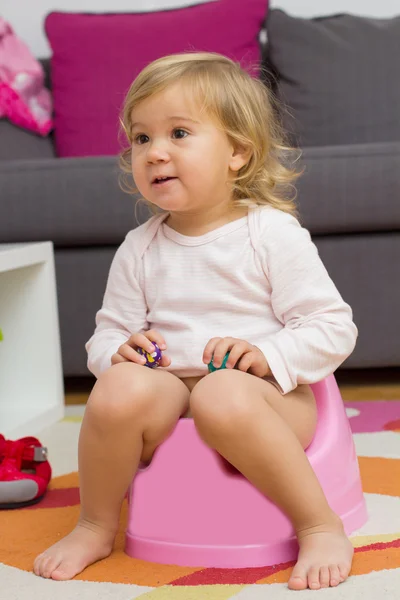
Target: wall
(26,16)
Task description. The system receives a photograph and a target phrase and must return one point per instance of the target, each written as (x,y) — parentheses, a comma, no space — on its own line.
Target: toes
(317,577)
(313,578)
(324,577)
(52,567)
(66,570)
(344,570)
(298,578)
(51,564)
(335,577)
(41,564)
(36,564)
(60,575)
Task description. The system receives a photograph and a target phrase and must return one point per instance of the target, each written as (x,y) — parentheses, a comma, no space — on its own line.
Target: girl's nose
(157,152)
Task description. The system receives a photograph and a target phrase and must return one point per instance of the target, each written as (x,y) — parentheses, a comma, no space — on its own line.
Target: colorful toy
(211,367)
(152,359)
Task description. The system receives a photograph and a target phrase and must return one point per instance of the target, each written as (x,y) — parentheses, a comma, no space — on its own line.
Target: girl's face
(181,160)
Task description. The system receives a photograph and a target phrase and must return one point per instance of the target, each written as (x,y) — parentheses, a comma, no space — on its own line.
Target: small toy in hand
(211,367)
(152,358)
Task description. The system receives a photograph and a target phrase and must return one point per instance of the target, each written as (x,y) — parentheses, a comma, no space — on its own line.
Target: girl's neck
(196,224)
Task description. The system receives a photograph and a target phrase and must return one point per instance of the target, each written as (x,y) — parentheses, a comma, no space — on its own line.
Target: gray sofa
(348,198)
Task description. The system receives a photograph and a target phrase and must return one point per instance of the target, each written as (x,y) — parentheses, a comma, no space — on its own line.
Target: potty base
(228,557)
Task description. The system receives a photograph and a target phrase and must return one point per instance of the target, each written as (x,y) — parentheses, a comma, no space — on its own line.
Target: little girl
(225,267)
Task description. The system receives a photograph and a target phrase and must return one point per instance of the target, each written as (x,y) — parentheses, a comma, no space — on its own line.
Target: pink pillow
(24,100)
(96,57)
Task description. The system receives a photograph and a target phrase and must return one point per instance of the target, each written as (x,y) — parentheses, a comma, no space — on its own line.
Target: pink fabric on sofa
(23,98)
(96,57)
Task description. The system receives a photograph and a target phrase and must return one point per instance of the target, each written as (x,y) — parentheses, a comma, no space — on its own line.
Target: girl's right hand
(127,352)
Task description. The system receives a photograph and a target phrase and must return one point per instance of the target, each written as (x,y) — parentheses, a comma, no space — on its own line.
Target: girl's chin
(170,204)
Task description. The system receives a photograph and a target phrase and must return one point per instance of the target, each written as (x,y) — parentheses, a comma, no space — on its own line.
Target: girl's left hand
(245,356)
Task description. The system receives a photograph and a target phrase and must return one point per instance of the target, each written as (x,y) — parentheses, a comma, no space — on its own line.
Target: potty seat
(189,507)
(24,472)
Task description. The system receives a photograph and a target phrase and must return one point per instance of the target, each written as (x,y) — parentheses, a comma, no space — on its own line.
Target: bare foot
(86,544)
(325,557)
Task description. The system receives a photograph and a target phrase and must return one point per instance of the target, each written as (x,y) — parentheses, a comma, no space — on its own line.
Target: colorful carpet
(376,570)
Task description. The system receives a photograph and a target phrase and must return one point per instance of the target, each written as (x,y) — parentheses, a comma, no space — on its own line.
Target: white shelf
(31,381)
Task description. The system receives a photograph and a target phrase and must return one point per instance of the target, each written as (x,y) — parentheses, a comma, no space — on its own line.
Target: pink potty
(189,507)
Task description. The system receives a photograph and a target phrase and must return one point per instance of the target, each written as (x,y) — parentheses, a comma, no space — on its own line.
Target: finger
(165,361)
(246,361)
(209,349)
(220,350)
(117,358)
(236,352)
(130,354)
(142,341)
(155,336)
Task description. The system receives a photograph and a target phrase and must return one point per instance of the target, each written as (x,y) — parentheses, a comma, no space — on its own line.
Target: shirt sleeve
(124,309)
(318,333)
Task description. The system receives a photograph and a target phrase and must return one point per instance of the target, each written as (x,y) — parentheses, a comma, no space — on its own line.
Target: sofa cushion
(91,76)
(77,201)
(339,77)
(73,202)
(350,189)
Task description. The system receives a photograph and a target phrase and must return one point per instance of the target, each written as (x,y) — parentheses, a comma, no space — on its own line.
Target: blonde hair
(245,109)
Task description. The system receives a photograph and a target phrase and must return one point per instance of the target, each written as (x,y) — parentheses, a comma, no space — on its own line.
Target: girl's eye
(179,134)
(141,138)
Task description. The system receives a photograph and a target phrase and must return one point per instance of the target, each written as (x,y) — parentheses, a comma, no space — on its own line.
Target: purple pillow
(97,56)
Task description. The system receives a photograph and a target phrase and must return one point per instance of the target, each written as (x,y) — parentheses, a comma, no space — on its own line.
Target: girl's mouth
(162,181)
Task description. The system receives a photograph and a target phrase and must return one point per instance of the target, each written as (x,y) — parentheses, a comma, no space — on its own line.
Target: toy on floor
(152,358)
(211,367)
(25,472)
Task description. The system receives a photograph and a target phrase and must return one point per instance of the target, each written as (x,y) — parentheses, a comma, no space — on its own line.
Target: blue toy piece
(152,359)
(211,367)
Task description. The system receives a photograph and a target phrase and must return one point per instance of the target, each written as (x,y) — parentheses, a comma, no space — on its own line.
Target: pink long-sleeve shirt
(258,278)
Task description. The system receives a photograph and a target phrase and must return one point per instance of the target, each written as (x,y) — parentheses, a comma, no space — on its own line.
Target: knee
(120,391)
(218,402)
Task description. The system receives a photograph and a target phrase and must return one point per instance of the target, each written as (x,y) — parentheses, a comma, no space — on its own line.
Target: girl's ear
(239,158)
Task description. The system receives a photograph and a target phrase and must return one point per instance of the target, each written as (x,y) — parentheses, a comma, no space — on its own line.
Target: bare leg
(264,434)
(131,410)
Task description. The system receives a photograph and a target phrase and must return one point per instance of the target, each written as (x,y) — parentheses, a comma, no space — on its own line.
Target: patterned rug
(376,570)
